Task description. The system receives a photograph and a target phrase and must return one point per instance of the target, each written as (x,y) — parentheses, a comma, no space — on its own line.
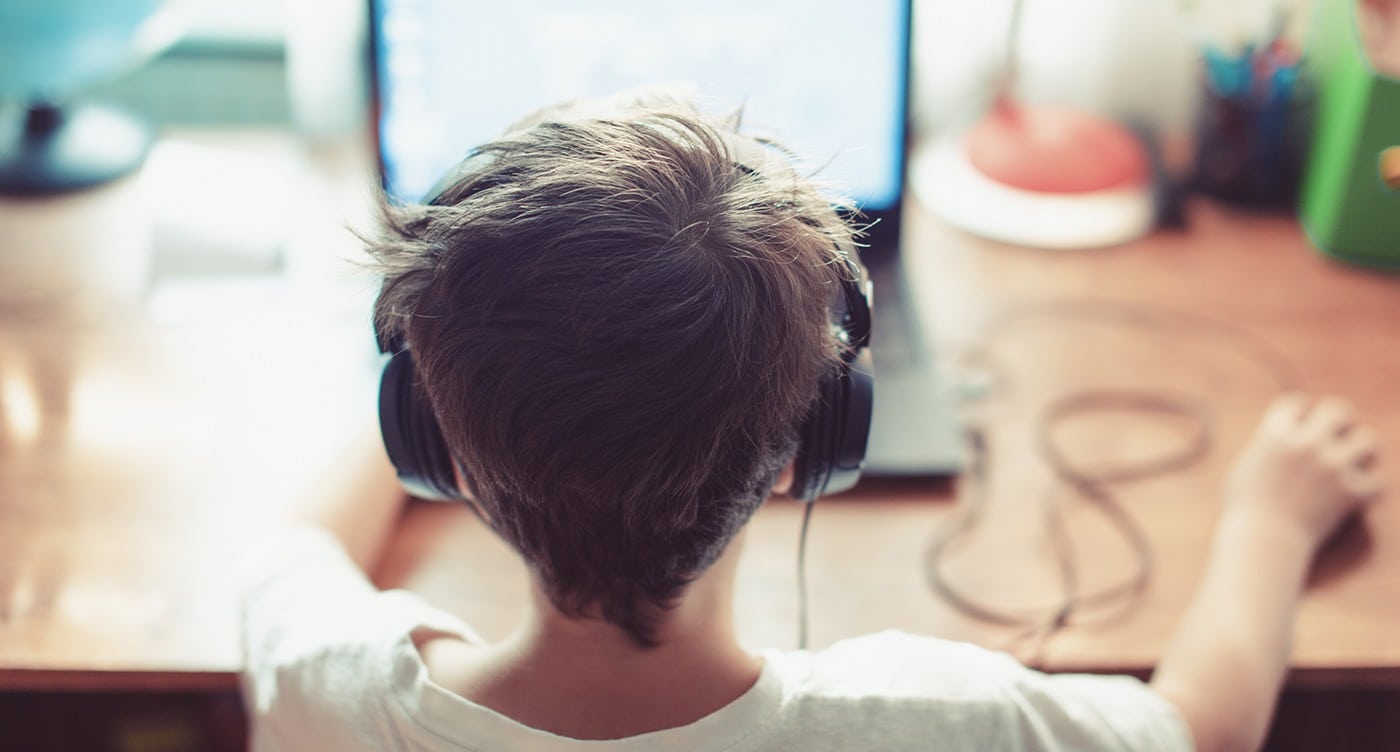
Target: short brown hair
(621,326)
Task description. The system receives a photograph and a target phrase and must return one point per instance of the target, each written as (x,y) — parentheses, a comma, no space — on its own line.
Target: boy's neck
(587,679)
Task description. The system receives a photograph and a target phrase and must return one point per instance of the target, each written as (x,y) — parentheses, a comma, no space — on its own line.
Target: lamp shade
(49,51)
(51,48)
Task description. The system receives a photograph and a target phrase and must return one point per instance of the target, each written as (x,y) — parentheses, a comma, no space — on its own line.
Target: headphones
(832,439)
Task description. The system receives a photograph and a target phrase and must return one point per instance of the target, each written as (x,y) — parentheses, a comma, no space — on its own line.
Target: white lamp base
(948,185)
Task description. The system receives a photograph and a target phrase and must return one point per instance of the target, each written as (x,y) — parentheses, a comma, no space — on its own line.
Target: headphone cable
(802,575)
(1093,486)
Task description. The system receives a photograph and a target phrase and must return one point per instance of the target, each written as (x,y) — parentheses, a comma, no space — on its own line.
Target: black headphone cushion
(835,434)
(412,439)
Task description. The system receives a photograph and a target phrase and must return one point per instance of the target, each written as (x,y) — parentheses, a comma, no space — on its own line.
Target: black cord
(802,576)
(1094,486)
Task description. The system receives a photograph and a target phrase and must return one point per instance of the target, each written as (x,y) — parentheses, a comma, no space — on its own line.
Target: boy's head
(621,318)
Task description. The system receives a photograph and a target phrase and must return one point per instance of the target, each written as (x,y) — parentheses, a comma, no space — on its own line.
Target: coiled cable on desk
(1094,486)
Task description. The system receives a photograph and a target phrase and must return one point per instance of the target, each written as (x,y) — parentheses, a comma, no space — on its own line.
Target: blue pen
(1229,75)
(1281,85)
(1273,121)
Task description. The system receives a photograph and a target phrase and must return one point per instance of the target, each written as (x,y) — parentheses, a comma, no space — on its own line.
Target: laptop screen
(825,77)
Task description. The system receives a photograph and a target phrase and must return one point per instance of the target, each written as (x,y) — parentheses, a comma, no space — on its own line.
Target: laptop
(828,78)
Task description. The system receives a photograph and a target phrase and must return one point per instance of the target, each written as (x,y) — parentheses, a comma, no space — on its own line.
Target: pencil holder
(1251,143)
(1350,205)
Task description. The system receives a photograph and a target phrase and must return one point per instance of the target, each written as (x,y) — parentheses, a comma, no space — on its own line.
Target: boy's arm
(1303,474)
(1226,662)
(357,498)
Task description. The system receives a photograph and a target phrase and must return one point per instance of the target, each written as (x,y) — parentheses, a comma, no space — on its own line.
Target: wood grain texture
(151,430)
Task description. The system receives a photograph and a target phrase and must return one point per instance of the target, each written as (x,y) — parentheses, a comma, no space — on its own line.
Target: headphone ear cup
(812,466)
(835,434)
(411,434)
(852,430)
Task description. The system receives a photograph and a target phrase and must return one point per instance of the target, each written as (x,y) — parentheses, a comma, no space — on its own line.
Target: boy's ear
(784,482)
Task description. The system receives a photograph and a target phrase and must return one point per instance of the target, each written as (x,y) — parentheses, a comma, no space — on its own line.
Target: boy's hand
(1307,467)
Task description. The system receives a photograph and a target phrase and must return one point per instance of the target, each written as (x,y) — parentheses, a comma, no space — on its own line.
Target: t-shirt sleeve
(300,590)
(967,697)
(1088,712)
(285,572)
(315,628)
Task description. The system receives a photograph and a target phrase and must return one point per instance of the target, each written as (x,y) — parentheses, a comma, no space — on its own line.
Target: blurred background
(301,62)
(267,94)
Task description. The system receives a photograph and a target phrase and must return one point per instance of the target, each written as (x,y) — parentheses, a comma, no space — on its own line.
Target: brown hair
(621,326)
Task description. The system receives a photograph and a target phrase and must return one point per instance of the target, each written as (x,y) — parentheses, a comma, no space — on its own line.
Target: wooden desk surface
(1335,323)
(142,443)
(867,549)
(150,426)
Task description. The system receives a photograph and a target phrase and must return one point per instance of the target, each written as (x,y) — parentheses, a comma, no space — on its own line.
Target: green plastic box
(1347,208)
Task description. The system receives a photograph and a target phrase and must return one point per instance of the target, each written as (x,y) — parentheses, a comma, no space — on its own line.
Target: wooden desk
(867,548)
(151,426)
(146,441)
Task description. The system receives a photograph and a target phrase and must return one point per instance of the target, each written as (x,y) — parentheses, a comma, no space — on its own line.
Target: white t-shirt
(330,665)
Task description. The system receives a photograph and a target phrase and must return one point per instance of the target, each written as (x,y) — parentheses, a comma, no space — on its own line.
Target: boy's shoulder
(895,663)
(903,686)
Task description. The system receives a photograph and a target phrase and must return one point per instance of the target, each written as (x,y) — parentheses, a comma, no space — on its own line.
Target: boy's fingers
(1331,416)
(1363,484)
(1360,447)
(1287,411)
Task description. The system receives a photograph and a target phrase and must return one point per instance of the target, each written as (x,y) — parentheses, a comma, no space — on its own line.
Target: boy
(621,318)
